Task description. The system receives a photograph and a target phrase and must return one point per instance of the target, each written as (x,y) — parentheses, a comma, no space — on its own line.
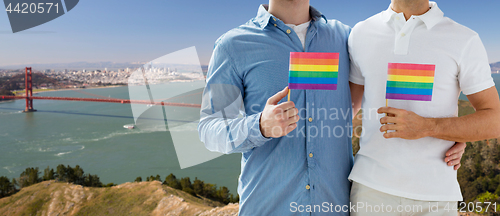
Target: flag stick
(288,94)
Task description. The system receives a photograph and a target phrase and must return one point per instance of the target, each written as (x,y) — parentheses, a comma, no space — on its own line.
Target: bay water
(92,135)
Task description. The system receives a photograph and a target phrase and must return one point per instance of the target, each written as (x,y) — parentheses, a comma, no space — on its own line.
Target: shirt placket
(403,30)
(309,97)
(311,33)
(311,123)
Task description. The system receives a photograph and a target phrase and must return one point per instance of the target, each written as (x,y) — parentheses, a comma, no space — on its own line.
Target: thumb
(278,96)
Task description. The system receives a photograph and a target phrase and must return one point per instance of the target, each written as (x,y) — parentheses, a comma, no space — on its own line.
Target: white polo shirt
(413,169)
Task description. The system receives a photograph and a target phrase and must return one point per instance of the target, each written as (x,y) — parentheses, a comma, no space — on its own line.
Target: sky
(140,31)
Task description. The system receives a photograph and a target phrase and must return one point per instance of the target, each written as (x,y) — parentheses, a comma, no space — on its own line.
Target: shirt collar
(264,17)
(430,18)
(433,16)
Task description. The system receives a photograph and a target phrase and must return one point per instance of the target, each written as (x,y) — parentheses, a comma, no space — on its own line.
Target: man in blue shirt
(306,170)
(297,155)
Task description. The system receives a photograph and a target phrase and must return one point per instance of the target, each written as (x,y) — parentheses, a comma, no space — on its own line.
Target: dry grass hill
(52,198)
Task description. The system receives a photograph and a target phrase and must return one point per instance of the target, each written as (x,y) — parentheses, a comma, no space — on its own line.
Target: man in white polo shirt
(419,60)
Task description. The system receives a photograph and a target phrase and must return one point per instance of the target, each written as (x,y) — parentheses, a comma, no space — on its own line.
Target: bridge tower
(28,83)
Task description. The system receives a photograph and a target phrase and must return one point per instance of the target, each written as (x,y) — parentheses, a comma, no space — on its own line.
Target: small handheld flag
(410,82)
(309,70)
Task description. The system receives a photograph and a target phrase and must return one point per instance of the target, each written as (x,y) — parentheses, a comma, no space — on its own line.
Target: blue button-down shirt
(307,169)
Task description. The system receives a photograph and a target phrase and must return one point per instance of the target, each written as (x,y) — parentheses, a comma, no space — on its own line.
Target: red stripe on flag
(412,66)
(312,55)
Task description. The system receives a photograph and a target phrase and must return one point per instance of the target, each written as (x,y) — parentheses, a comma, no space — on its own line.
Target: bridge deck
(111,100)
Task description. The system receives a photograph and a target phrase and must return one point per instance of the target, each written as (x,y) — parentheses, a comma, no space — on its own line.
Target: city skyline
(133,31)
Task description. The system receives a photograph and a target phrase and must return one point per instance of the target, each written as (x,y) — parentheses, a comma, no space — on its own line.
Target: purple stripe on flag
(409,97)
(312,86)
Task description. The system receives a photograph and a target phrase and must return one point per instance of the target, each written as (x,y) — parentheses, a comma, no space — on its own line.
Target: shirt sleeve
(355,75)
(224,126)
(474,70)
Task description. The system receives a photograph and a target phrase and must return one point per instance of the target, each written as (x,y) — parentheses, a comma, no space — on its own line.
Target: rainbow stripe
(313,71)
(410,82)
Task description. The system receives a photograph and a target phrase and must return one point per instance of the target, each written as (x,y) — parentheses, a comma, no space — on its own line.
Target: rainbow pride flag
(410,82)
(310,70)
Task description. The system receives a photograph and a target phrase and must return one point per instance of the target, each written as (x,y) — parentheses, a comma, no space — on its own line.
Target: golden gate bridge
(28,82)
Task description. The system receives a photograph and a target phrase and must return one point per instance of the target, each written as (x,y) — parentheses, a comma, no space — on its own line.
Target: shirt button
(397,18)
(274,19)
(310,119)
(310,155)
(275,25)
(403,34)
(308,187)
(288,31)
